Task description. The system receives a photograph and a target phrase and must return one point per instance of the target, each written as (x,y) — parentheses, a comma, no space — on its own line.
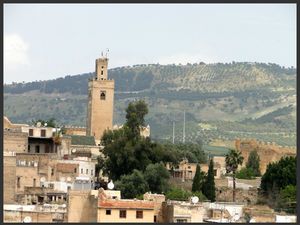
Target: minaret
(100,101)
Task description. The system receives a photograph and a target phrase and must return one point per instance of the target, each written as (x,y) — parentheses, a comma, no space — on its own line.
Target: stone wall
(36,217)
(224,194)
(15,141)
(9,179)
(268,152)
(82,207)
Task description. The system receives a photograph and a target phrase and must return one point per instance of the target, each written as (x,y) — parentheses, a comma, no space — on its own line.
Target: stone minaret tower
(100,101)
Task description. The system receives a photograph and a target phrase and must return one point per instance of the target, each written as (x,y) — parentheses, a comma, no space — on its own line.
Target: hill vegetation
(250,100)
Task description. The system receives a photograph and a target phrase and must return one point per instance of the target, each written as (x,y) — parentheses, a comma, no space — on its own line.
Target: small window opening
(102,95)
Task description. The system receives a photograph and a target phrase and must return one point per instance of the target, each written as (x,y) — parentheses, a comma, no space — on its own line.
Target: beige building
(82,206)
(124,210)
(186,170)
(100,101)
(157,199)
(34,213)
(7,124)
(184,212)
(74,130)
(9,178)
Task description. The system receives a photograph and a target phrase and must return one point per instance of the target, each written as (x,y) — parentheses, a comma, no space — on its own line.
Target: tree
(157,176)
(233,159)
(133,185)
(288,198)
(135,114)
(253,163)
(182,195)
(209,189)
(125,150)
(178,194)
(198,179)
(245,173)
(280,174)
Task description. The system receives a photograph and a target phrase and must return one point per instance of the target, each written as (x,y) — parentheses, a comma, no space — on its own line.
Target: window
(189,167)
(181,221)
(28,148)
(92,172)
(139,214)
(75,170)
(51,185)
(37,149)
(102,95)
(215,172)
(43,133)
(52,172)
(101,72)
(108,212)
(87,171)
(19,182)
(81,171)
(30,132)
(34,182)
(122,213)
(155,219)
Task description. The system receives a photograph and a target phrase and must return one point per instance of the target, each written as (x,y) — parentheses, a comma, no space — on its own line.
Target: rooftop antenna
(107,51)
(102,53)
(183,134)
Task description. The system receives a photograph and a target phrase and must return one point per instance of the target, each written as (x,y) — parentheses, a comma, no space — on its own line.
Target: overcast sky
(46,41)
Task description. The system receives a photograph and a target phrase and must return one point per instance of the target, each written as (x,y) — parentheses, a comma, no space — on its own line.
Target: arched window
(102,95)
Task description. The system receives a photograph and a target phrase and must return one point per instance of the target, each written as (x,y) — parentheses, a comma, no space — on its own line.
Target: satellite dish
(62,179)
(64,205)
(45,124)
(27,219)
(110,185)
(73,150)
(38,124)
(69,178)
(195,199)
(43,179)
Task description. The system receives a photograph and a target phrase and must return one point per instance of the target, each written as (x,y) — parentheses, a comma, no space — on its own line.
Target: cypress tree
(198,180)
(253,163)
(209,189)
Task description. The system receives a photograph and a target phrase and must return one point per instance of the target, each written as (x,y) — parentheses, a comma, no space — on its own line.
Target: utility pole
(183,133)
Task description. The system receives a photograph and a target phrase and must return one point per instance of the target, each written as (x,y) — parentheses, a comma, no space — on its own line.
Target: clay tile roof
(126,204)
(66,167)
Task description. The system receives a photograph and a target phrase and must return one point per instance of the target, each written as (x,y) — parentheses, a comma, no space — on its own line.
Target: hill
(236,99)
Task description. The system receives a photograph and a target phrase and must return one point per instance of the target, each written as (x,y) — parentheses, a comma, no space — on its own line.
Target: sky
(47,41)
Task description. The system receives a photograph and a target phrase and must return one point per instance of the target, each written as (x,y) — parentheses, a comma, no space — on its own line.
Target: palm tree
(233,159)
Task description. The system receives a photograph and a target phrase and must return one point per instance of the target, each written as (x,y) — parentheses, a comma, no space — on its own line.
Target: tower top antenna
(106,54)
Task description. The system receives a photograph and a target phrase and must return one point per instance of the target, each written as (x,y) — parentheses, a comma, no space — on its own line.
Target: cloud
(15,51)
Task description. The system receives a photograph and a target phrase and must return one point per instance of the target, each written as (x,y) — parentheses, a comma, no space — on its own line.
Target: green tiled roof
(82,140)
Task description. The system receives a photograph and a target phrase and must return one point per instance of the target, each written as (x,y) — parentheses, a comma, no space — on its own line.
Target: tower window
(101,72)
(18,182)
(102,95)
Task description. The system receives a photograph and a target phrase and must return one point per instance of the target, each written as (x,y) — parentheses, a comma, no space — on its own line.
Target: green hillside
(238,99)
